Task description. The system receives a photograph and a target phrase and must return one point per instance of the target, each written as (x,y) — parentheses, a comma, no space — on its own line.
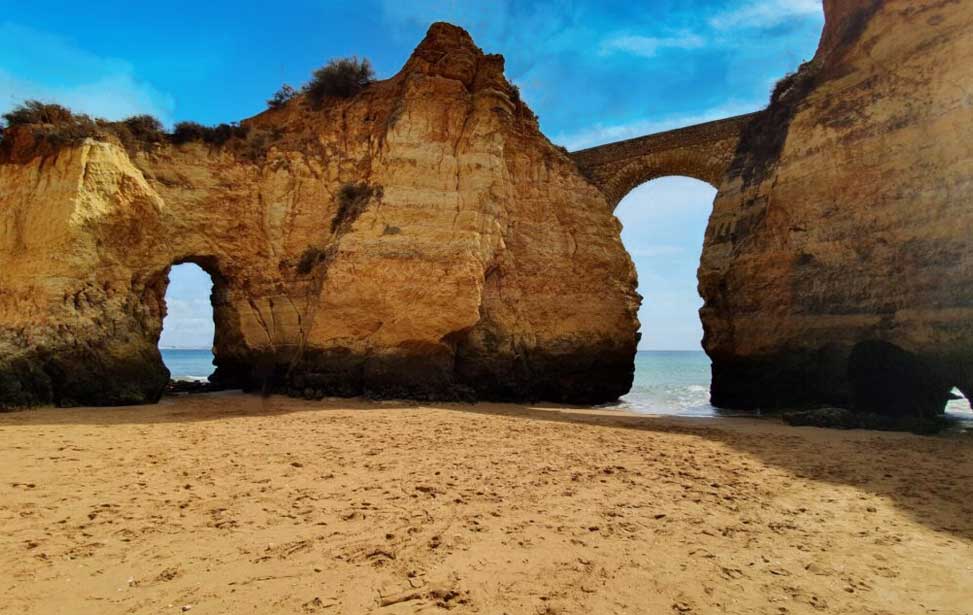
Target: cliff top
(447,51)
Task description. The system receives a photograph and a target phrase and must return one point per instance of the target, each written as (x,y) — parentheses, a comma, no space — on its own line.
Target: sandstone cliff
(422,239)
(838,263)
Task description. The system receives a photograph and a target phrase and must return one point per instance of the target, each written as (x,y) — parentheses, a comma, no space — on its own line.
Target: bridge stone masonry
(704,151)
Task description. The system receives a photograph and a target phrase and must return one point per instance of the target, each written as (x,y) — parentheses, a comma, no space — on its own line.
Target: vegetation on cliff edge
(55,126)
(281,97)
(340,78)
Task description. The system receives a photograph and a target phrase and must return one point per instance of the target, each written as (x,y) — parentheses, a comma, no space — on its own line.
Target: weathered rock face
(422,239)
(841,242)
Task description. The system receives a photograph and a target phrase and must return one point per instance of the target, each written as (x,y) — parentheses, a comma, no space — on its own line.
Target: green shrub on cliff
(221,133)
(186,132)
(144,128)
(281,97)
(37,112)
(136,131)
(341,78)
(53,124)
(57,125)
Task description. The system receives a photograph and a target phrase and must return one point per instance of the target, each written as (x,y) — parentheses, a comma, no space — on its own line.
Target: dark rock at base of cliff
(890,381)
(82,377)
(427,373)
(787,380)
(22,384)
(875,378)
(232,373)
(593,375)
(842,418)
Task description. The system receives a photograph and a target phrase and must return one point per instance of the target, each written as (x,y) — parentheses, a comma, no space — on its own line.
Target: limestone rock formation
(841,242)
(422,239)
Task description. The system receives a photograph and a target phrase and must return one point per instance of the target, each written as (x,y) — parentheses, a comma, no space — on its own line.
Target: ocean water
(188,363)
(671,382)
(666,382)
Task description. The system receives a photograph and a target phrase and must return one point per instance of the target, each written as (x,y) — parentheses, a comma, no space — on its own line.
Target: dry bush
(37,112)
(186,132)
(53,124)
(145,128)
(352,201)
(341,78)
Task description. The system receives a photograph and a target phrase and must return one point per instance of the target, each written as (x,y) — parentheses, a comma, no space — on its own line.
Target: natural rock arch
(477,264)
(487,266)
(231,369)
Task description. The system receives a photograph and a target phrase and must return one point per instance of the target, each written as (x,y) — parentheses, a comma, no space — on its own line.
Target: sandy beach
(226,503)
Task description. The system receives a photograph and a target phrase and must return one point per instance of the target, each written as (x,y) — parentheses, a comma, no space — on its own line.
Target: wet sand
(226,503)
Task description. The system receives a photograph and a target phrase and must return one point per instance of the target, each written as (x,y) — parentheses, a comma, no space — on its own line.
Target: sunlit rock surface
(422,239)
(838,263)
(425,240)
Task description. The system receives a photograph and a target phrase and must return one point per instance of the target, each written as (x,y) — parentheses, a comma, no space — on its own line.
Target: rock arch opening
(664,222)
(199,329)
(186,341)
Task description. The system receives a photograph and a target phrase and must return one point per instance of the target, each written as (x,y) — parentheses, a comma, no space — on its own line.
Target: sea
(666,382)
(188,363)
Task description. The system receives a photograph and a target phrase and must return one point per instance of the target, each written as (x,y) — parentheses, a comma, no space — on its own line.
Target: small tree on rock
(282,97)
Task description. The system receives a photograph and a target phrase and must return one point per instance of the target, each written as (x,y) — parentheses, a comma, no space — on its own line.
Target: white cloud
(608,133)
(766,13)
(649,46)
(664,223)
(61,72)
(189,317)
(188,323)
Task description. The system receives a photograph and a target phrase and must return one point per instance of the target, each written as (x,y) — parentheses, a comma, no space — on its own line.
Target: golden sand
(228,503)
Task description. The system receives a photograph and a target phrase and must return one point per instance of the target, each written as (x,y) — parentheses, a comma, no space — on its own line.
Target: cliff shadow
(920,475)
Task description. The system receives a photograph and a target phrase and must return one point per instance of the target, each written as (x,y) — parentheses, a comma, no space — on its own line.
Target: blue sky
(593,70)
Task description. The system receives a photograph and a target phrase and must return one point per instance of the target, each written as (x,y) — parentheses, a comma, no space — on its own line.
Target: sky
(594,71)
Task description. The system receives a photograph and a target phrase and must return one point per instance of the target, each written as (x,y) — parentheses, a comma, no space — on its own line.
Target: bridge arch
(704,152)
(670,163)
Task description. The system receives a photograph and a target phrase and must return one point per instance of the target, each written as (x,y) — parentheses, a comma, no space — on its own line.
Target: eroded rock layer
(422,239)
(838,263)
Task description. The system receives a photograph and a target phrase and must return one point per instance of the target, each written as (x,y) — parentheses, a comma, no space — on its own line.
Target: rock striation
(422,239)
(838,262)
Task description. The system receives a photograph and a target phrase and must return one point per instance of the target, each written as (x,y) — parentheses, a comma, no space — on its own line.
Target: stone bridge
(703,151)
